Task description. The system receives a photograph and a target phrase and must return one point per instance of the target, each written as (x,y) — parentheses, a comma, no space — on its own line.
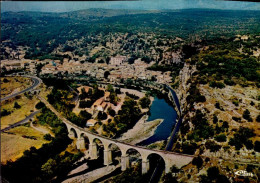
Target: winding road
(25,120)
(36,83)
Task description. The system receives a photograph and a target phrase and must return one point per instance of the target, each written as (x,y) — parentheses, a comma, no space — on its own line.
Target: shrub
(5,80)
(102,115)
(16,105)
(111,112)
(5,112)
(247,116)
(216,84)
(258,118)
(47,137)
(229,82)
(212,146)
(237,119)
(198,161)
(257,146)
(145,102)
(213,173)
(85,104)
(39,105)
(221,138)
(215,119)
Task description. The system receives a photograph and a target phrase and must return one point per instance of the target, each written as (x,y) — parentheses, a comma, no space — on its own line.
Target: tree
(39,105)
(106,74)
(111,112)
(110,88)
(47,137)
(257,146)
(145,102)
(247,116)
(213,173)
(49,167)
(258,118)
(5,112)
(5,80)
(16,105)
(102,115)
(85,115)
(221,138)
(215,119)
(198,161)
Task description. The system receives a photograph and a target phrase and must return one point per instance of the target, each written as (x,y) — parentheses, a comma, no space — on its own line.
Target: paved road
(36,82)
(20,122)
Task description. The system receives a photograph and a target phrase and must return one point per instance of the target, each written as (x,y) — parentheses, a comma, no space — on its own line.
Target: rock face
(226,97)
(184,76)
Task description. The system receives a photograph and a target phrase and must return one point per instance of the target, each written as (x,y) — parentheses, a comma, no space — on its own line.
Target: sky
(63,6)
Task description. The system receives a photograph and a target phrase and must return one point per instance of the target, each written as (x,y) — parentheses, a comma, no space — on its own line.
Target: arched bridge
(81,134)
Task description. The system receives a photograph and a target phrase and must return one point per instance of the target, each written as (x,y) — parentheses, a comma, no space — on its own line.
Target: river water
(160,109)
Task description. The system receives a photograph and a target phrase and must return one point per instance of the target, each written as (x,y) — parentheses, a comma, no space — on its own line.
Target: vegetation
(223,61)
(246,115)
(44,163)
(125,119)
(241,137)
(213,174)
(5,112)
(39,105)
(198,161)
(16,105)
(145,102)
(131,175)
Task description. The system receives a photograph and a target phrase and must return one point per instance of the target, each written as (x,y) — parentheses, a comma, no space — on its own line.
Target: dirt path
(40,129)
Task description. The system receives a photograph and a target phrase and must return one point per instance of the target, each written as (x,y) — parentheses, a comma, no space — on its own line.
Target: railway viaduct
(81,134)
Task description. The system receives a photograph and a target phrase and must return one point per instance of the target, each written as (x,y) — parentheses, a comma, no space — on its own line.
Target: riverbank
(141,131)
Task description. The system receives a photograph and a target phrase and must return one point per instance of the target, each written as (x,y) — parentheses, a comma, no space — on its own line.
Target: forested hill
(48,30)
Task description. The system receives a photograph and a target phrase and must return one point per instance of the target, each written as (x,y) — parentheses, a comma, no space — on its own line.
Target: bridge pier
(93,151)
(124,162)
(80,143)
(71,135)
(145,166)
(107,157)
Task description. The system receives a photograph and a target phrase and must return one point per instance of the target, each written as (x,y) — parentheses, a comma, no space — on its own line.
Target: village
(115,71)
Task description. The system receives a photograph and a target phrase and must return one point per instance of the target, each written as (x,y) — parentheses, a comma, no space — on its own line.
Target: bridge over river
(169,158)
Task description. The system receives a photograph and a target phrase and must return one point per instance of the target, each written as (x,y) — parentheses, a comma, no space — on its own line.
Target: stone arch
(73,133)
(85,140)
(99,145)
(115,151)
(134,157)
(156,160)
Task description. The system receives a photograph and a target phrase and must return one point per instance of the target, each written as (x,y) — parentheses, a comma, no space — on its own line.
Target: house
(91,122)
(117,60)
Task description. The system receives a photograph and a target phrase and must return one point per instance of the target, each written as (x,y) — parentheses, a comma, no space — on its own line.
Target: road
(20,122)
(36,82)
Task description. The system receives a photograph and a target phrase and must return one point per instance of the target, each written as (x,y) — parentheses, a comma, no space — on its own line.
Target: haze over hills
(133,5)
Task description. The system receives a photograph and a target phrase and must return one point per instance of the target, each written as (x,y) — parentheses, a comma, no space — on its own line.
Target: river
(160,109)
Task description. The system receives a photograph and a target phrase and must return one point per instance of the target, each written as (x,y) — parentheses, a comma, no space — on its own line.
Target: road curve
(36,83)
(25,120)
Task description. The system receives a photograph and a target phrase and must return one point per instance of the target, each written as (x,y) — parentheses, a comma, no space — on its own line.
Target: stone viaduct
(170,158)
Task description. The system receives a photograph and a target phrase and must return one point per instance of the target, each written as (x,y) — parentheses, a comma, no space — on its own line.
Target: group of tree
(145,102)
(126,118)
(242,137)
